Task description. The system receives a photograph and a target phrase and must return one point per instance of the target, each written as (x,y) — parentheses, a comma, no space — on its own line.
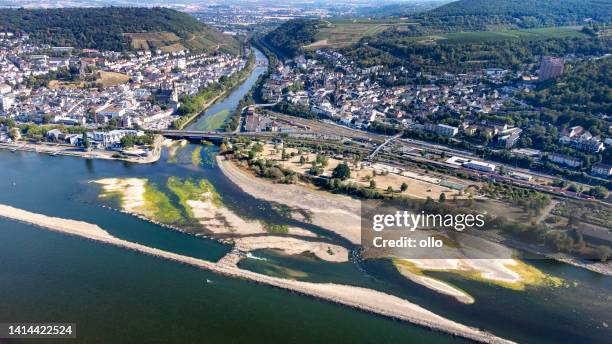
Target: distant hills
(118,29)
(522,13)
(454,22)
(402,9)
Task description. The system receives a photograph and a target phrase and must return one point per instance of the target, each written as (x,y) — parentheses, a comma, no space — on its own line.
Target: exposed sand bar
(341,215)
(437,285)
(293,246)
(361,298)
(337,213)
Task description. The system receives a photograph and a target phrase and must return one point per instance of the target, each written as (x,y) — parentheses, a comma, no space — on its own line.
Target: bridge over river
(217,136)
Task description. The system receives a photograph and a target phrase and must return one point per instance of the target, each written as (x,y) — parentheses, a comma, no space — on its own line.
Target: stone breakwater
(360,298)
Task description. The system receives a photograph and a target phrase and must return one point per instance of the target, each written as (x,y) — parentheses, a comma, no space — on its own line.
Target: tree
(599,192)
(389,189)
(284,154)
(128,141)
(442,198)
(404,187)
(342,171)
(322,159)
(86,143)
(14,134)
(372,184)
(302,160)
(224,148)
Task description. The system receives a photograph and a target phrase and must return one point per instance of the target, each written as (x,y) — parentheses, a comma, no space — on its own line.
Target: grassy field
(342,33)
(55,84)
(483,36)
(112,78)
(105,78)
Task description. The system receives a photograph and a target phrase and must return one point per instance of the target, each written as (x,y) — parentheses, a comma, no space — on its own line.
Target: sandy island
(336,213)
(293,246)
(361,298)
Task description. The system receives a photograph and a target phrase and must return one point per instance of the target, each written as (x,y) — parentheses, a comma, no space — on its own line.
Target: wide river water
(119,296)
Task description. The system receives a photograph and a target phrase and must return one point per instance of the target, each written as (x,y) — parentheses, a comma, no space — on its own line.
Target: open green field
(112,78)
(483,36)
(342,33)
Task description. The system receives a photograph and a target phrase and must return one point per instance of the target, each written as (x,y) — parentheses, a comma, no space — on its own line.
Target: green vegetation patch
(273,228)
(530,276)
(159,206)
(343,33)
(528,34)
(196,156)
(196,190)
(214,121)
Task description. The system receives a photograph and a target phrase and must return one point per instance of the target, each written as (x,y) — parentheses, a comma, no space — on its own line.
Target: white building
(442,129)
(565,160)
(4,89)
(600,169)
(6,101)
(110,138)
(480,166)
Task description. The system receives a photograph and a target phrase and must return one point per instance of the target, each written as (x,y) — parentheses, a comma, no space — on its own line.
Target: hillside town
(91,88)
(450,106)
(338,89)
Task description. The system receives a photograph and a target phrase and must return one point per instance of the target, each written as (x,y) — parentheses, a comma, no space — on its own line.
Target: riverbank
(336,213)
(341,215)
(356,297)
(69,150)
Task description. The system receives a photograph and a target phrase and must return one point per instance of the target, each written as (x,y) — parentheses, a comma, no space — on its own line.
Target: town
(100,89)
(454,108)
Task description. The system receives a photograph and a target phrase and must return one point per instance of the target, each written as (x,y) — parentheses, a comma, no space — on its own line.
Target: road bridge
(387,141)
(213,135)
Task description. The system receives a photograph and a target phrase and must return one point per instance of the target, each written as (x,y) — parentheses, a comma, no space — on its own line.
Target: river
(214,117)
(115,295)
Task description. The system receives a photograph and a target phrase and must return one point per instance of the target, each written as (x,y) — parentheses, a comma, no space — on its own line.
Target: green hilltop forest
(114,28)
(292,35)
(484,14)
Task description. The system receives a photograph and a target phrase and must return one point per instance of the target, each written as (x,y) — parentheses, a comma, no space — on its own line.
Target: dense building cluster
(332,86)
(42,84)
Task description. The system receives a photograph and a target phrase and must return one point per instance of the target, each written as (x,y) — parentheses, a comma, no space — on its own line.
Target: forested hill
(114,28)
(292,35)
(522,13)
